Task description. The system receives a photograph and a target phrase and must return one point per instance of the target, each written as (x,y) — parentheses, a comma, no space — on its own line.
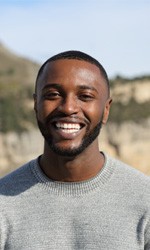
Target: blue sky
(117,33)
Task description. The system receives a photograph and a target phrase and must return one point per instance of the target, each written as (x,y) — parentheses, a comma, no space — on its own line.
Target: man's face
(71,104)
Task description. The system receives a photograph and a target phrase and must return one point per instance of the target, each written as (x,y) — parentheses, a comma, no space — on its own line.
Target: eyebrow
(52,85)
(59,86)
(87,87)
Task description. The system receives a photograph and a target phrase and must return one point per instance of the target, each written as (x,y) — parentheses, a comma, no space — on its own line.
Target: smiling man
(71,103)
(73,196)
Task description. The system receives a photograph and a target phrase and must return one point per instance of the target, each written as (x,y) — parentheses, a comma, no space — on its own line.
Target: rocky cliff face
(17,149)
(129,140)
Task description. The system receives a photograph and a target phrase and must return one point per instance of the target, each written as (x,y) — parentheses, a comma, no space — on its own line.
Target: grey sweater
(108,212)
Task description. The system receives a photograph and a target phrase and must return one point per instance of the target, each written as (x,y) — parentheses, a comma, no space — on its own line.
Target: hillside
(126,136)
(15,69)
(17,77)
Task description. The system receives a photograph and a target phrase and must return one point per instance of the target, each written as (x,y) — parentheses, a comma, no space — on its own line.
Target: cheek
(94,112)
(43,110)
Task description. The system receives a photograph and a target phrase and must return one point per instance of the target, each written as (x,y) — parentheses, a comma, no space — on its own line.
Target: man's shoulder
(13,181)
(130,175)
(126,169)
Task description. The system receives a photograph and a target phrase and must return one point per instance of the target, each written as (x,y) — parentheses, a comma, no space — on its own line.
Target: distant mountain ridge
(14,68)
(17,78)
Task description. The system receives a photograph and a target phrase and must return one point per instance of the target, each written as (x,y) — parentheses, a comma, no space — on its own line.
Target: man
(73,196)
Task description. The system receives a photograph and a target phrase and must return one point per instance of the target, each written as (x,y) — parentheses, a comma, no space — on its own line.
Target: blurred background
(114,32)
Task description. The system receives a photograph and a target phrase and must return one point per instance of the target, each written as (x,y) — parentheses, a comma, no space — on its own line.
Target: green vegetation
(17,76)
(7,72)
(15,115)
(133,111)
(123,80)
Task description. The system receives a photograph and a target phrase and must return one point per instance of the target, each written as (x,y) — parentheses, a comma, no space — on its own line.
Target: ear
(106,111)
(35,102)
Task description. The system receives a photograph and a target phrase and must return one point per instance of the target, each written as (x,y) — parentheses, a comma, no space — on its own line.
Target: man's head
(71,101)
(78,55)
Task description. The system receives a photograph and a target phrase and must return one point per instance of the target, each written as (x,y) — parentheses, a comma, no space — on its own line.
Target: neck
(72,169)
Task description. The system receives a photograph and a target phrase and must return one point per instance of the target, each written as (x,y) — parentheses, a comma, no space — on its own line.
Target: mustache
(54,117)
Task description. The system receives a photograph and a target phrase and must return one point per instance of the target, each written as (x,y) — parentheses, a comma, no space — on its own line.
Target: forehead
(70,70)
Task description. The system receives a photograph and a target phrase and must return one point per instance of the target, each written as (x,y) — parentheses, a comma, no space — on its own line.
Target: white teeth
(70,130)
(65,126)
(68,126)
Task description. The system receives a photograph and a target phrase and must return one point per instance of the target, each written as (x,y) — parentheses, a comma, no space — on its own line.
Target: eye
(52,95)
(86,97)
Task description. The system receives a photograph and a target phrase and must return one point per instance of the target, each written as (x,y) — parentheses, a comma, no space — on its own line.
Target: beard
(70,152)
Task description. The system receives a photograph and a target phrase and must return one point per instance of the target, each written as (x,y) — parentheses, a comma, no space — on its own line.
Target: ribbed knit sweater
(108,212)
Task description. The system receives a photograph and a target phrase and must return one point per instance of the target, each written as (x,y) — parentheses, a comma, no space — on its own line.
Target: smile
(68,127)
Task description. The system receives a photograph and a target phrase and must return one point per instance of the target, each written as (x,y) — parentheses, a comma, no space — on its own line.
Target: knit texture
(108,212)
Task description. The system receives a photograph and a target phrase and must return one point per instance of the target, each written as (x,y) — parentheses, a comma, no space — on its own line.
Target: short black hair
(78,55)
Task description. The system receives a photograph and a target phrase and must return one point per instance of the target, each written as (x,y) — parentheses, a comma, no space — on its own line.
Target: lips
(66,127)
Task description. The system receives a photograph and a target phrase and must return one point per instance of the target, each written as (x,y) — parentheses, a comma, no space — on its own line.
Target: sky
(115,32)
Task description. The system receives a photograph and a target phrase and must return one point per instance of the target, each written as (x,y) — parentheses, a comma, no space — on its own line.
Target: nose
(69,105)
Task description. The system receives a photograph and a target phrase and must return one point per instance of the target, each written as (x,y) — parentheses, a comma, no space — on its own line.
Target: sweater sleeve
(147,228)
(3,231)
(147,239)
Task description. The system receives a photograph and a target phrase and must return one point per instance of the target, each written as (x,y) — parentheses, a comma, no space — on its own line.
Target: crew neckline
(74,188)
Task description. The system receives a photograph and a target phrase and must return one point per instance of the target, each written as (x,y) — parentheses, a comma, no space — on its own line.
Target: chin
(66,151)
